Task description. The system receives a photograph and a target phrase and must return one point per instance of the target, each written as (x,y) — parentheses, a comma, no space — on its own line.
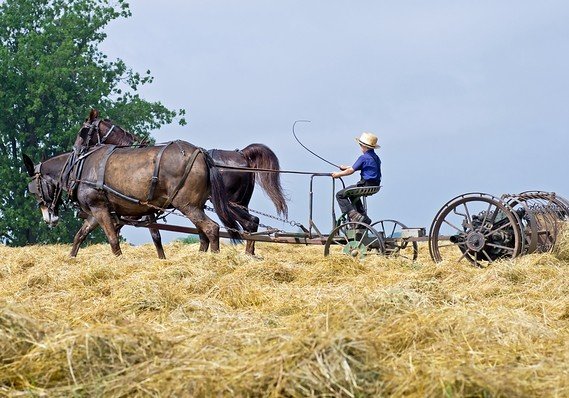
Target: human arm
(348,170)
(345,172)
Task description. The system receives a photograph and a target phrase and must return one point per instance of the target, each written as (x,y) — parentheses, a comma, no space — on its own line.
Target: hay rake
(485,228)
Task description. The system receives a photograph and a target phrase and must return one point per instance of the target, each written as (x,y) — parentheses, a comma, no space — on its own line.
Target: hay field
(291,324)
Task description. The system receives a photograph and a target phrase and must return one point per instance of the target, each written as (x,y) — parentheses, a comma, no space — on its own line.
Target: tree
(51,74)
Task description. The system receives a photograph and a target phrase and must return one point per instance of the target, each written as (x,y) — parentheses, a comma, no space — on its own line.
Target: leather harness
(72,177)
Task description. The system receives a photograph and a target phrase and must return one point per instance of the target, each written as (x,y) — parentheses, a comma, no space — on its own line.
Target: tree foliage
(51,74)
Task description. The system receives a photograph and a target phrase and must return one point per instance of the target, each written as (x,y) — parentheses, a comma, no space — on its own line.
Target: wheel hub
(475,241)
(355,250)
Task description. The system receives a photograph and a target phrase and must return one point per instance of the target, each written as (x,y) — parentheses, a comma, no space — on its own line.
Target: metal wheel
(541,214)
(394,245)
(482,227)
(357,240)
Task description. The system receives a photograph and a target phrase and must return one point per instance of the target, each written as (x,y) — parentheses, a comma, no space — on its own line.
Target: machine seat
(358,192)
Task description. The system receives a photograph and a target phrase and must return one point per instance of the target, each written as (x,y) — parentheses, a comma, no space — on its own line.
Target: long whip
(302,145)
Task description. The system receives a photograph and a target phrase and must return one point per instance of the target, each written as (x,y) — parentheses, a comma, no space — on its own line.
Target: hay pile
(292,324)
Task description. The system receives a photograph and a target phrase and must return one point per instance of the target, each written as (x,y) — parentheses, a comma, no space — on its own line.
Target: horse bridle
(42,195)
(94,127)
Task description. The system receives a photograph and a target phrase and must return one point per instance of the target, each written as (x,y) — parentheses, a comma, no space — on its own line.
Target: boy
(369,165)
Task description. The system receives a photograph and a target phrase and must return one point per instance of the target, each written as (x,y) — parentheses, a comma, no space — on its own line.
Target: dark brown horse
(96,131)
(118,182)
(239,185)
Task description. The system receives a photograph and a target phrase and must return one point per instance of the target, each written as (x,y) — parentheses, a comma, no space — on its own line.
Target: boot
(355,216)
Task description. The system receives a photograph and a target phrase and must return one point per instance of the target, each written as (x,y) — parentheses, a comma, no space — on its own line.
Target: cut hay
(293,323)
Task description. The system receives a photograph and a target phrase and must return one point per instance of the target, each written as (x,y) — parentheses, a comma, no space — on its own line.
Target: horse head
(46,189)
(97,131)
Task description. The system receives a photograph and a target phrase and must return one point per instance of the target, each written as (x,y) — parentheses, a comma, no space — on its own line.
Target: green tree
(51,74)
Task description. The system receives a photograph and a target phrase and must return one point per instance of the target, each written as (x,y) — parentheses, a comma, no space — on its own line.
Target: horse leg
(204,242)
(208,228)
(103,217)
(88,226)
(250,224)
(157,239)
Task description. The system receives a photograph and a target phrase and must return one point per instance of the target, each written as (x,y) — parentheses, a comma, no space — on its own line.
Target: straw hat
(369,140)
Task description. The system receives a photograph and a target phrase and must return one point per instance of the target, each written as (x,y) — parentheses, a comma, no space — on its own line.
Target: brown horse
(117,182)
(239,185)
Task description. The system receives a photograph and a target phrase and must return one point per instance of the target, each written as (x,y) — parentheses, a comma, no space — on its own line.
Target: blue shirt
(370,166)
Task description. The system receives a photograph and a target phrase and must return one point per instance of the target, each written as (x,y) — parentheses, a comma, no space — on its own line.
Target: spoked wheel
(394,245)
(477,227)
(542,214)
(355,239)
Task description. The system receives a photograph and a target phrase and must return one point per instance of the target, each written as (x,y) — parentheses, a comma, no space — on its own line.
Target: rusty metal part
(485,228)
(262,236)
(481,226)
(542,214)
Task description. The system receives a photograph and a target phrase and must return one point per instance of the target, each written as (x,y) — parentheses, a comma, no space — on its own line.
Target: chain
(290,222)
(286,221)
(234,230)
(211,209)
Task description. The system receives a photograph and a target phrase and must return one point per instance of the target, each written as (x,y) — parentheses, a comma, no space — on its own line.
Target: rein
(236,169)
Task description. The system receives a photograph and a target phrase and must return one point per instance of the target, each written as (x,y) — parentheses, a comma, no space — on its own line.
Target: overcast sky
(463,95)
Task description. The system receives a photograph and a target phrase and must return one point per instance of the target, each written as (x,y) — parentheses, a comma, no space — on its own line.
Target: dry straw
(291,323)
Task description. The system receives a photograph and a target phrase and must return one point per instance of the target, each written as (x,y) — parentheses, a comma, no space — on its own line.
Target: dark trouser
(346,205)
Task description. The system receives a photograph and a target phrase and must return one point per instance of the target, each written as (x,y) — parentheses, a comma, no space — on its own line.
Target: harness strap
(102,166)
(104,138)
(36,178)
(189,166)
(154,180)
(106,188)
(66,179)
(89,135)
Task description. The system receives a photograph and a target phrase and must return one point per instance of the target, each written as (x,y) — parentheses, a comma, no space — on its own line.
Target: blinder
(43,194)
(92,127)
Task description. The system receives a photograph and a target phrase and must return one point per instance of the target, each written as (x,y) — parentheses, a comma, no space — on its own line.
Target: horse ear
(29,163)
(94,114)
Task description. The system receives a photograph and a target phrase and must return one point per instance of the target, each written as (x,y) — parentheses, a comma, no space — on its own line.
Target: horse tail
(260,156)
(220,201)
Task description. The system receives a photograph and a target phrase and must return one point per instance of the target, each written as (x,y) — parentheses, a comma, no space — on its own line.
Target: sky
(465,96)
